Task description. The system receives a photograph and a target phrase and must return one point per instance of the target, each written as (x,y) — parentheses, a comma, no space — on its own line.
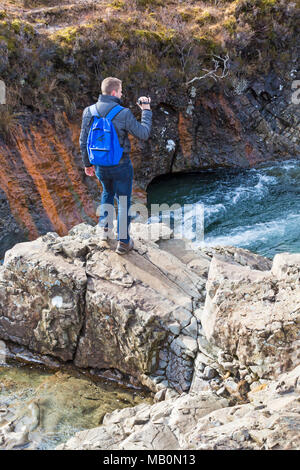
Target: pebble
(170,393)
(209,373)
(230,386)
(243,373)
(221,391)
(241,435)
(160,396)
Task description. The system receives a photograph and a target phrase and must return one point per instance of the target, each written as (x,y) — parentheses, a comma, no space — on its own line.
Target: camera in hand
(142,102)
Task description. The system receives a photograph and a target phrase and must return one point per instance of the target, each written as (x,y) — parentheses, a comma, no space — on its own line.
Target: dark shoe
(123,248)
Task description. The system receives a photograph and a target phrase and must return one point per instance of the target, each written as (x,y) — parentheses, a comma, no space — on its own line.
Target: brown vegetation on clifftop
(56,54)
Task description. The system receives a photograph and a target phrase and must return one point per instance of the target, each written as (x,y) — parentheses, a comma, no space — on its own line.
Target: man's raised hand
(89,170)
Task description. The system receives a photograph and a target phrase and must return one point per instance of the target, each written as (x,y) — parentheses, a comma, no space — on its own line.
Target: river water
(48,407)
(257,209)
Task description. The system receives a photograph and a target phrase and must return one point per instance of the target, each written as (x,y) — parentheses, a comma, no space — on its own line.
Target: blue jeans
(116,182)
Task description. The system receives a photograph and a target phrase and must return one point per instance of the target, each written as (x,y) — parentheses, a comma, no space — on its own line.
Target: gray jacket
(124,122)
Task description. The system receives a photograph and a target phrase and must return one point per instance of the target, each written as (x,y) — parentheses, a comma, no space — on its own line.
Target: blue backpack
(103,145)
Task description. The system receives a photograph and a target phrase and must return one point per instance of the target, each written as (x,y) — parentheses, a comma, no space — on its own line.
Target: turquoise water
(257,209)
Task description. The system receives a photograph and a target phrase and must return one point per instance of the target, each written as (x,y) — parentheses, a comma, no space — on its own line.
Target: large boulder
(42,299)
(254,315)
(74,298)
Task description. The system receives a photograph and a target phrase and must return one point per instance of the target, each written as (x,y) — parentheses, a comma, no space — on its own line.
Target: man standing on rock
(116,180)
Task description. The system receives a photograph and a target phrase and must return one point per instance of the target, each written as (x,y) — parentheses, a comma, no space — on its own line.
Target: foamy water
(257,209)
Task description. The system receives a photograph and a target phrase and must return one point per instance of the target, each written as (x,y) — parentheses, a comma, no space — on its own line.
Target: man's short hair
(109,84)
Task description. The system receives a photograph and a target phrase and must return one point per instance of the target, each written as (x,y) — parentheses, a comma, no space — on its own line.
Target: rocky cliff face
(209,327)
(45,188)
(206,128)
(248,116)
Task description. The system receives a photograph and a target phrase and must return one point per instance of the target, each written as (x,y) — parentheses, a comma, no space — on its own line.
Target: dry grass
(8,114)
(147,44)
(33,3)
(8,122)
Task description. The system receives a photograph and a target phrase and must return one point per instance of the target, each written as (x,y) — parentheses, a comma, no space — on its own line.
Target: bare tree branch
(219,62)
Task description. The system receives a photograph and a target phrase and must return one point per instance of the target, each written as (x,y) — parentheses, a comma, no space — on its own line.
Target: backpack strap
(110,115)
(93,109)
(113,112)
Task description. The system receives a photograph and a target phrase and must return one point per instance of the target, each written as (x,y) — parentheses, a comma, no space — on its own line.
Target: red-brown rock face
(43,186)
(43,181)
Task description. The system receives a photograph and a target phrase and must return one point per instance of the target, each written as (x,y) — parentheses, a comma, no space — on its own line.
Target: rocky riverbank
(206,331)
(204,421)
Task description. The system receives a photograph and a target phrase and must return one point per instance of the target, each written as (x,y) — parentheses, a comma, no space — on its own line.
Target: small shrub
(16,26)
(204,18)
(38,3)
(230,24)
(117,4)
(8,122)
(65,36)
(149,3)
(247,6)
(209,45)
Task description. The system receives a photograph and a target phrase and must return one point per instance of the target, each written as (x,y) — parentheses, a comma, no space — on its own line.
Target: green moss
(161,36)
(66,35)
(16,26)
(117,4)
(149,3)
(188,14)
(11,44)
(3,14)
(230,24)
(28,29)
(204,18)
(196,14)
(263,5)
(268,3)
(12,29)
